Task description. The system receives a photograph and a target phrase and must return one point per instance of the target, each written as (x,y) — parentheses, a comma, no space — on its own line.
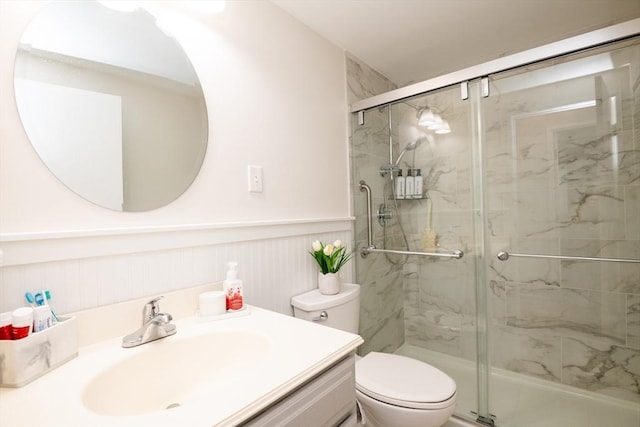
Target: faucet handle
(151,309)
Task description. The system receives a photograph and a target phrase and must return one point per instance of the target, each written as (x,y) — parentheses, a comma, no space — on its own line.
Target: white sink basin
(163,374)
(210,373)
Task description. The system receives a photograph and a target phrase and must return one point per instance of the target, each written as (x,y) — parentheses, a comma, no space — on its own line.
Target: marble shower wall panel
(633,321)
(523,350)
(563,179)
(603,276)
(608,369)
(363,81)
(440,293)
(632,204)
(598,316)
(591,213)
(370,150)
(381,309)
(447,288)
(381,306)
(604,158)
(440,310)
(531,353)
(525,270)
(437,333)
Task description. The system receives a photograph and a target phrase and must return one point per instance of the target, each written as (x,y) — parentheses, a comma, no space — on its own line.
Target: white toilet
(391,390)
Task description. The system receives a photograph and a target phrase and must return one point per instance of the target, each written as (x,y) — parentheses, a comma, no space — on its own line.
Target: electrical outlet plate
(255,179)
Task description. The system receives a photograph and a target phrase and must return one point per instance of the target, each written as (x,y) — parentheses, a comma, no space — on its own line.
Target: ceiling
(409,41)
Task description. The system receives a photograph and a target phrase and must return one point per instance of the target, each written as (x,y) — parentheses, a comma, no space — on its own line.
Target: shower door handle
(504,256)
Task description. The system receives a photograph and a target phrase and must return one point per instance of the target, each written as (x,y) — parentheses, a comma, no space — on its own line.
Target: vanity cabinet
(328,399)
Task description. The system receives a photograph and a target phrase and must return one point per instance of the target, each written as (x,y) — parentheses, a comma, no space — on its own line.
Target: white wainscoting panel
(273,268)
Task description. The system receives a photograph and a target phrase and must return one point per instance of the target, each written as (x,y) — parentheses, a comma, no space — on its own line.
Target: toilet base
(380,414)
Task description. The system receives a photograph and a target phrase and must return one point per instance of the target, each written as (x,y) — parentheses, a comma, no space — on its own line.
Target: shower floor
(520,401)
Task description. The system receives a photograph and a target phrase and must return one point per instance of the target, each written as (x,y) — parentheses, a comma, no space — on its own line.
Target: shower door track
(595,38)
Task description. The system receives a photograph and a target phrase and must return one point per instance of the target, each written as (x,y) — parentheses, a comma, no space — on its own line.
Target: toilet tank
(342,310)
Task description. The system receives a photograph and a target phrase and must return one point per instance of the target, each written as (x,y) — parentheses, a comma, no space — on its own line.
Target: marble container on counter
(24,360)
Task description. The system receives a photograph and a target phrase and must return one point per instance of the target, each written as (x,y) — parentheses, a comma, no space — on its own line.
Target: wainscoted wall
(274,265)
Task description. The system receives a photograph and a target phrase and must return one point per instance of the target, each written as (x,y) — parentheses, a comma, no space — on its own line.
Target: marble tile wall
(380,277)
(440,312)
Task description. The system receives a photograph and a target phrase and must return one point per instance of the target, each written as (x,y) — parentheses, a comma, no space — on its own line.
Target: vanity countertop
(297,351)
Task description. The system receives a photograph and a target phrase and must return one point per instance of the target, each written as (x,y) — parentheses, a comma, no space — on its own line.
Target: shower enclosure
(542,166)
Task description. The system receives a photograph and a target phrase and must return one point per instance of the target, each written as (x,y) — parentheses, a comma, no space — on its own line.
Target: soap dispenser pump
(232,287)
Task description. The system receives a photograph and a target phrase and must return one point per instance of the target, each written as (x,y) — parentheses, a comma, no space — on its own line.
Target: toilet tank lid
(313,300)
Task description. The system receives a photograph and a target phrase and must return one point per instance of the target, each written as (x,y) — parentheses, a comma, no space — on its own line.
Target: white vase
(330,283)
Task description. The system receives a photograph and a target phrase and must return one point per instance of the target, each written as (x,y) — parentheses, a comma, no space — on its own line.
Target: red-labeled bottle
(5,326)
(232,287)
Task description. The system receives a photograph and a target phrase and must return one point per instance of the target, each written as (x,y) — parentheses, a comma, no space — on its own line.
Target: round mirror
(111,104)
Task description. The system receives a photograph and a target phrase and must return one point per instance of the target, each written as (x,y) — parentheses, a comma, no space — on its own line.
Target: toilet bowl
(391,390)
(394,390)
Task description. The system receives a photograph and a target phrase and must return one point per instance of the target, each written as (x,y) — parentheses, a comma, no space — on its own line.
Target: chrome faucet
(155,325)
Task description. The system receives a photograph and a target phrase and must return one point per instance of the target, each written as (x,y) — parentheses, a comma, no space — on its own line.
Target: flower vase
(330,283)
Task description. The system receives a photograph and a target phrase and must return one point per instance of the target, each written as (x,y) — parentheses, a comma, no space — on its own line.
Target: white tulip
(337,244)
(316,246)
(328,250)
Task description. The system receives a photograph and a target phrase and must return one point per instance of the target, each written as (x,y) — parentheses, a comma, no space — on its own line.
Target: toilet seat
(404,382)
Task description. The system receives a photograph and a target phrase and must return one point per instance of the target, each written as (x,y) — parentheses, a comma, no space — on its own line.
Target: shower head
(409,147)
(413,145)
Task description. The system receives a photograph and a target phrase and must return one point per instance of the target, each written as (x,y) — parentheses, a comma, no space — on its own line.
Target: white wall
(275,94)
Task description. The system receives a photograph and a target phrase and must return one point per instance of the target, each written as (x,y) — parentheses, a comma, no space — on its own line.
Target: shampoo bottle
(400,185)
(232,287)
(408,189)
(417,185)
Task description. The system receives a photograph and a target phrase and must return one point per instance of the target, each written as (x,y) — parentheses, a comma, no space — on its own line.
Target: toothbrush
(48,297)
(29,297)
(40,299)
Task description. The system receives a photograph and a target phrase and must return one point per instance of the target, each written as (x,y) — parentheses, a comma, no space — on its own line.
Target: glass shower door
(561,144)
(439,310)
(419,306)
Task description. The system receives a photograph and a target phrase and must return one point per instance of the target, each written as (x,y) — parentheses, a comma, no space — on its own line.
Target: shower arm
(456,254)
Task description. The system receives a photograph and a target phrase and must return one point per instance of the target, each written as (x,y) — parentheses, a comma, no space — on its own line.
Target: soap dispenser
(232,287)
